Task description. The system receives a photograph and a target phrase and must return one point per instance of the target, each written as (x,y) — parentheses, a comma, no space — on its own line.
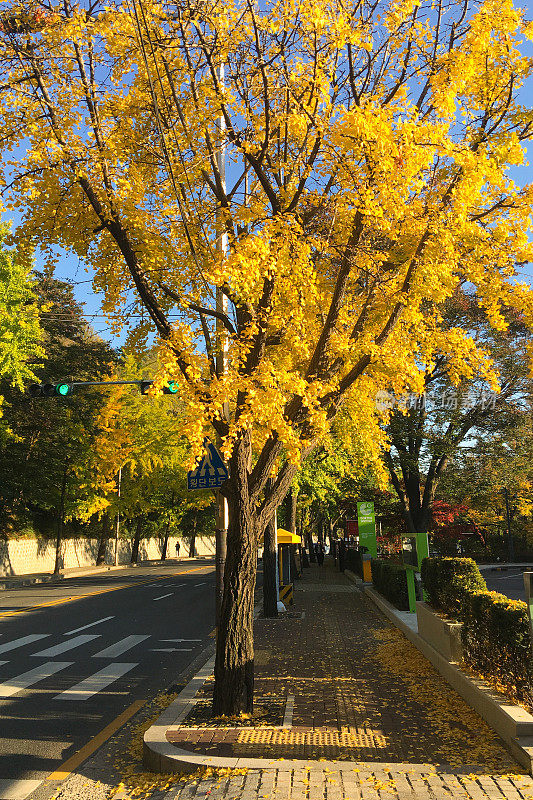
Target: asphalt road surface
(508,581)
(75,656)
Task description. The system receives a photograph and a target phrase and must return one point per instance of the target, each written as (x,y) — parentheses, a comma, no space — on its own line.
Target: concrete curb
(159,755)
(512,723)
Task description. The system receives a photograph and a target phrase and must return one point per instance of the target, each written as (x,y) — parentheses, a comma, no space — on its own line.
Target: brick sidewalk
(361,693)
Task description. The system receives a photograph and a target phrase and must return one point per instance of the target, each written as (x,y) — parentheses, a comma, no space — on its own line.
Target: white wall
(23,556)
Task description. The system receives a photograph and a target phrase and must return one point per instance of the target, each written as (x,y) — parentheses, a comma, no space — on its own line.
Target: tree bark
(60,518)
(192,541)
(311,549)
(136,540)
(165,542)
(104,539)
(270,599)
(234,663)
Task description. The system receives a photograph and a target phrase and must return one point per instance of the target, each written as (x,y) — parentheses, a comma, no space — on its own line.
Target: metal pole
(117,525)
(509,532)
(221,358)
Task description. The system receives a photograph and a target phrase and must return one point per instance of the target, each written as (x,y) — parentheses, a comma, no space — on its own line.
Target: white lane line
(90,625)
(34,637)
(70,644)
(3,662)
(95,683)
(199,584)
(115,650)
(20,682)
(163,596)
(181,640)
(171,650)
(16,789)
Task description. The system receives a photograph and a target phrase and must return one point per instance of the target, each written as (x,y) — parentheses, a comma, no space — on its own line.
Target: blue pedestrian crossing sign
(210,472)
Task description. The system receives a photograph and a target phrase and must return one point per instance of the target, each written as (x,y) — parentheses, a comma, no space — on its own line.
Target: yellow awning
(285,537)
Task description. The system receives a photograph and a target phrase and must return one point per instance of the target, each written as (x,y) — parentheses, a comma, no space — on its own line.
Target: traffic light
(171,387)
(50,389)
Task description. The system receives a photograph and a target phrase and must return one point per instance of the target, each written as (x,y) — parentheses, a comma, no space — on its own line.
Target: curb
(161,756)
(513,724)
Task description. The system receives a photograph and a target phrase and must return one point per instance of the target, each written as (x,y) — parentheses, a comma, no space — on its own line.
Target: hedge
(496,635)
(496,640)
(447,581)
(390,580)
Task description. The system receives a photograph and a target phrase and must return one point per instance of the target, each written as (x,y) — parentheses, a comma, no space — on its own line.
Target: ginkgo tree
(286,192)
(20,331)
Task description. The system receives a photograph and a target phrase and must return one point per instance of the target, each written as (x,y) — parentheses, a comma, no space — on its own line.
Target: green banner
(366,522)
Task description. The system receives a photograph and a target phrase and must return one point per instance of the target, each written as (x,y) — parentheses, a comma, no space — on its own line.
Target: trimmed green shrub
(353,561)
(448,581)
(497,642)
(390,580)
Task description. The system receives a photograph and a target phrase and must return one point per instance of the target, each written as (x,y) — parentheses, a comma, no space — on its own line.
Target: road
(508,581)
(75,656)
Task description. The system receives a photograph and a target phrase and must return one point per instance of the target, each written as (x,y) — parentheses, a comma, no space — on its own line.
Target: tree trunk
(234,664)
(309,540)
(293,506)
(165,542)
(270,599)
(60,518)
(104,539)
(137,540)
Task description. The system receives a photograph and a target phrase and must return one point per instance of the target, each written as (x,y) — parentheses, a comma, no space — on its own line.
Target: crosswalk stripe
(115,650)
(3,662)
(17,789)
(70,644)
(95,683)
(20,682)
(163,596)
(90,625)
(34,637)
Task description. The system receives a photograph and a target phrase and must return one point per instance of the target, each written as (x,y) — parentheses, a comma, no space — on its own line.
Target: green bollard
(411,590)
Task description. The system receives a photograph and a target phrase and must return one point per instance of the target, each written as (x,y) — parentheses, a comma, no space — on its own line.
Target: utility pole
(510,541)
(117,521)
(221,356)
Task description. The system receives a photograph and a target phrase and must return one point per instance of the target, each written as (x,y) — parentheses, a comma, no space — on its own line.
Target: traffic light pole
(221,532)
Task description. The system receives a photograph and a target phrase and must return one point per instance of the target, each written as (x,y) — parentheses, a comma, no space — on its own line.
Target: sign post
(366,521)
(415,548)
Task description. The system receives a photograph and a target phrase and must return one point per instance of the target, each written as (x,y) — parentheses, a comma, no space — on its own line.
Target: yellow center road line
(88,749)
(71,599)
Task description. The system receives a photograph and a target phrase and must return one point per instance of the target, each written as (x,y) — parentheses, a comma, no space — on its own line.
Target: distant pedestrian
(177,549)
(320,554)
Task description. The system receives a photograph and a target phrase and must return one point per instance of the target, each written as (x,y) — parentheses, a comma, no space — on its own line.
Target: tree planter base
(442,634)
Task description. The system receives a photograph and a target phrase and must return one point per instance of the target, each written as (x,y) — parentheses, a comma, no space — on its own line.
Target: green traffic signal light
(63,389)
(171,388)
